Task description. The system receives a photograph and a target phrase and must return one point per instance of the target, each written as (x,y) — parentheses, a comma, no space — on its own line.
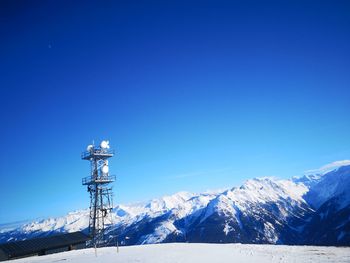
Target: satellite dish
(105,169)
(89,147)
(104,144)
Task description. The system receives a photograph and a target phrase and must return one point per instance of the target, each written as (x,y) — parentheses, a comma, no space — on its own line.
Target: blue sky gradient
(193,95)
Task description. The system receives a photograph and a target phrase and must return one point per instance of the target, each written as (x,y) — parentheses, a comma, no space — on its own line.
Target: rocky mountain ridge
(312,209)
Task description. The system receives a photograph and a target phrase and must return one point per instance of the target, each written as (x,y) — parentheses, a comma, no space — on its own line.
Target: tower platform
(89,180)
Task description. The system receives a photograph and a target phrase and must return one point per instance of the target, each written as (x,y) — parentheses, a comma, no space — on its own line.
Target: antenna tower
(99,186)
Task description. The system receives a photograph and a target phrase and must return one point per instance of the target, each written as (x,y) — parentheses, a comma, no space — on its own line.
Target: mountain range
(313,209)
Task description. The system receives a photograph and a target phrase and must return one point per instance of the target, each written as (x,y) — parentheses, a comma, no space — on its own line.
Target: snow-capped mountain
(258,212)
(330,197)
(312,209)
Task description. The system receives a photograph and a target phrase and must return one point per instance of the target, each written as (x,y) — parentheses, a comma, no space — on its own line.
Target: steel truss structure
(99,186)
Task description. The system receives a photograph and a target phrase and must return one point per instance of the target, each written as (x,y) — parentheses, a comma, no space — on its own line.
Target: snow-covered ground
(185,252)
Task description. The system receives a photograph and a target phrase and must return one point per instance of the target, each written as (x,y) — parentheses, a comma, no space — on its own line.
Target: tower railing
(97,152)
(98,180)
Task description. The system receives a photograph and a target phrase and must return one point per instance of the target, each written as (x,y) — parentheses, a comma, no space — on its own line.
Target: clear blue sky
(193,95)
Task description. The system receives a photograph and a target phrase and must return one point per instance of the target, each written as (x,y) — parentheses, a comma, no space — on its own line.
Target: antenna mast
(99,186)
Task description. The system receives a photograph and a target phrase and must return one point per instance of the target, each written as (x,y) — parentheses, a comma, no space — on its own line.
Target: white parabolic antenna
(104,144)
(105,169)
(90,146)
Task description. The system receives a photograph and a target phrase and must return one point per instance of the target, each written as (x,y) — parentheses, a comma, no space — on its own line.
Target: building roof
(35,245)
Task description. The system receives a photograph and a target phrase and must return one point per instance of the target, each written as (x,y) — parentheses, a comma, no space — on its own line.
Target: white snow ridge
(328,168)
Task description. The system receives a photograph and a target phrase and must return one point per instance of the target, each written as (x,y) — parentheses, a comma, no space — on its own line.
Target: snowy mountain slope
(330,197)
(329,225)
(157,227)
(180,204)
(73,221)
(312,209)
(328,168)
(331,185)
(204,253)
(312,177)
(258,212)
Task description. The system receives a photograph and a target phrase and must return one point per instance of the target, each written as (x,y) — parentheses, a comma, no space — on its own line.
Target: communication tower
(99,186)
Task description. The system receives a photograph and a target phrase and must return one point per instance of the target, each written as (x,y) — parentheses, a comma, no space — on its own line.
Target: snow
(73,221)
(270,232)
(12,226)
(227,228)
(258,190)
(314,176)
(328,168)
(189,253)
(160,233)
(267,189)
(231,203)
(333,184)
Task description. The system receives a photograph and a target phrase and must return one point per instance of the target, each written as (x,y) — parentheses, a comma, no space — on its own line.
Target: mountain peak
(264,209)
(327,168)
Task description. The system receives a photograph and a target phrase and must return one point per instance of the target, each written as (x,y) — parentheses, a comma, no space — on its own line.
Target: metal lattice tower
(99,186)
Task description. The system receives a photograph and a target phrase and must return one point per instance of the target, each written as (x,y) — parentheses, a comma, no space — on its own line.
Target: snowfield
(185,252)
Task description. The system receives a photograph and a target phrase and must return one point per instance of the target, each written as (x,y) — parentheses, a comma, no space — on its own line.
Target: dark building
(43,245)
